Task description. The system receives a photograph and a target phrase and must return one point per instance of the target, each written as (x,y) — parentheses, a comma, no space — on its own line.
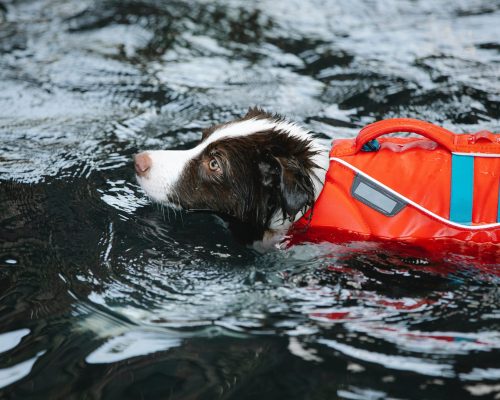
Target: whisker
(179,202)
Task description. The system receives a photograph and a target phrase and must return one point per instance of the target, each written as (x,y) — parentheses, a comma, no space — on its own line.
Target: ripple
(121,195)
(16,372)
(131,344)
(9,340)
(390,361)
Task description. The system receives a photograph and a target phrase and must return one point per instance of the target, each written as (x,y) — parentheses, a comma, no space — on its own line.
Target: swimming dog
(259,173)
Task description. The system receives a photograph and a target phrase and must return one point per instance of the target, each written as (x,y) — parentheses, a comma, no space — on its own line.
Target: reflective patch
(376,197)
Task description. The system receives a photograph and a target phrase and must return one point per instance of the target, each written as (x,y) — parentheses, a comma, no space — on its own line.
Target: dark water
(103,295)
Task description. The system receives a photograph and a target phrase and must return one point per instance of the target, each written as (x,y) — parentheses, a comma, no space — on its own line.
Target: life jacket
(441,185)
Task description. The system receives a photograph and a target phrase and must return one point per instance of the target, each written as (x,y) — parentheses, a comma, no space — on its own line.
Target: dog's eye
(214,165)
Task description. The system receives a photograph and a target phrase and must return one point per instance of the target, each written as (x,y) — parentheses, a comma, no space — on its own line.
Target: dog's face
(252,172)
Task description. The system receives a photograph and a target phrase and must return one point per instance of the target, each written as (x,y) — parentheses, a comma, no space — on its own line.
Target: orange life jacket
(441,186)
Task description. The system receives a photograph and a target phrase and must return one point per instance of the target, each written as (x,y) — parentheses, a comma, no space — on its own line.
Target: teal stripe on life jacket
(462,188)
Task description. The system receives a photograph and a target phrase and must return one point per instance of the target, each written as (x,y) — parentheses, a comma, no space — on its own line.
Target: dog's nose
(142,163)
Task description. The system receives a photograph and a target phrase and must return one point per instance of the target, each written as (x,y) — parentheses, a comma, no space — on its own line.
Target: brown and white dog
(259,173)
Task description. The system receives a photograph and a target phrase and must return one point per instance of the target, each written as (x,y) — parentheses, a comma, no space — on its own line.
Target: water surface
(104,295)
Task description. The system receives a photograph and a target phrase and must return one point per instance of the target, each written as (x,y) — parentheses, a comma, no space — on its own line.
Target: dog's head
(257,172)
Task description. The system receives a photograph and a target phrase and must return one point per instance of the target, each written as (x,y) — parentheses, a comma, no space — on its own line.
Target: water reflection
(16,372)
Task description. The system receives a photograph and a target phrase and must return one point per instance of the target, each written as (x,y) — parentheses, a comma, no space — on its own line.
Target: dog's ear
(296,187)
(290,183)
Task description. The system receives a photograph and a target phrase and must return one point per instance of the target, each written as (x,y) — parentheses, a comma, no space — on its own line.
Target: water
(103,295)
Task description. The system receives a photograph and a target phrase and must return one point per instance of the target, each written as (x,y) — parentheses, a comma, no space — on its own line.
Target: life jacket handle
(435,133)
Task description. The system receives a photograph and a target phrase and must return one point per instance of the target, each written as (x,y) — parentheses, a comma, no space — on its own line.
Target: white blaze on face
(167,166)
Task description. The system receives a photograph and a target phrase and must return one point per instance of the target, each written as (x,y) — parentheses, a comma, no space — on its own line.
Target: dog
(259,173)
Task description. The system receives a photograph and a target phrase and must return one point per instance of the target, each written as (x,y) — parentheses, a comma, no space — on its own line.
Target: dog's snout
(142,163)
